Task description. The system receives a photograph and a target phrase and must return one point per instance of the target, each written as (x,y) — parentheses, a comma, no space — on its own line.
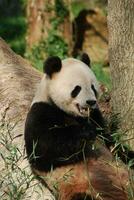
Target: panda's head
(70,84)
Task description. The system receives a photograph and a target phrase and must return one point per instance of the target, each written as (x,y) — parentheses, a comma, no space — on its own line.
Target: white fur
(59,88)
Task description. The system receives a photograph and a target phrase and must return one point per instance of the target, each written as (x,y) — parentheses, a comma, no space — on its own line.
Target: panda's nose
(91,103)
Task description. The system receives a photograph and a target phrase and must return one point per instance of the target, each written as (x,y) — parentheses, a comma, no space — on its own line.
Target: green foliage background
(13,28)
(13,24)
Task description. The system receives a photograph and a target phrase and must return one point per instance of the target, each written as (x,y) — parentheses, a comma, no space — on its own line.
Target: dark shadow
(82,196)
(80,25)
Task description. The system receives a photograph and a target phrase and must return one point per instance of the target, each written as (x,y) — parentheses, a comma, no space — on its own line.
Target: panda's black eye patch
(75,91)
(94,90)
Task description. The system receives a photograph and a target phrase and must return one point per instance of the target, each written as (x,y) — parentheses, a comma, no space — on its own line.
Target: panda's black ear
(51,65)
(85,58)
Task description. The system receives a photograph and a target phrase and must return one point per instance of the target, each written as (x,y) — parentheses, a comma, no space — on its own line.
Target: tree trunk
(121,54)
(66,28)
(36,22)
(39,16)
(18,82)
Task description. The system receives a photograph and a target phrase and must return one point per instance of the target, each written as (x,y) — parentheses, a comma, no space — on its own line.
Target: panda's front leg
(97,122)
(68,141)
(88,128)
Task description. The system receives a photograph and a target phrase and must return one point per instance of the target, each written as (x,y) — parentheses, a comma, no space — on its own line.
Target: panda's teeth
(83,110)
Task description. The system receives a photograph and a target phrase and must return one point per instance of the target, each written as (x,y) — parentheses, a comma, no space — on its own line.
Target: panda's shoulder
(43,112)
(43,108)
(36,106)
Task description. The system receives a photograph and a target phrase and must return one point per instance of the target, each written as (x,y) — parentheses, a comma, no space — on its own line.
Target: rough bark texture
(15,83)
(18,81)
(121,54)
(39,16)
(66,28)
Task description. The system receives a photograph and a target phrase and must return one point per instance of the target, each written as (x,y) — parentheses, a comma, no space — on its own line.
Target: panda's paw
(89,132)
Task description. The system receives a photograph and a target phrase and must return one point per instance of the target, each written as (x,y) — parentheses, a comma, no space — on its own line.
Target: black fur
(52,65)
(50,143)
(94,90)
(75,91)
(82,196)
(85,58)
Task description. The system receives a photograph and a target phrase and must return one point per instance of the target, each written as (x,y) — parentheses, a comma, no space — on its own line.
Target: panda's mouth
(83,110)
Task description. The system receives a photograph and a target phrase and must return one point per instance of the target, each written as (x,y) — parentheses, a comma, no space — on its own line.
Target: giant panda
(60,135)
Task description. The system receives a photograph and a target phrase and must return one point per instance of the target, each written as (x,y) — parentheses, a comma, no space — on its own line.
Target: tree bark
(66,28)
(35,19)
(121,54)
(18,82)
(39,16)
(15,83)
